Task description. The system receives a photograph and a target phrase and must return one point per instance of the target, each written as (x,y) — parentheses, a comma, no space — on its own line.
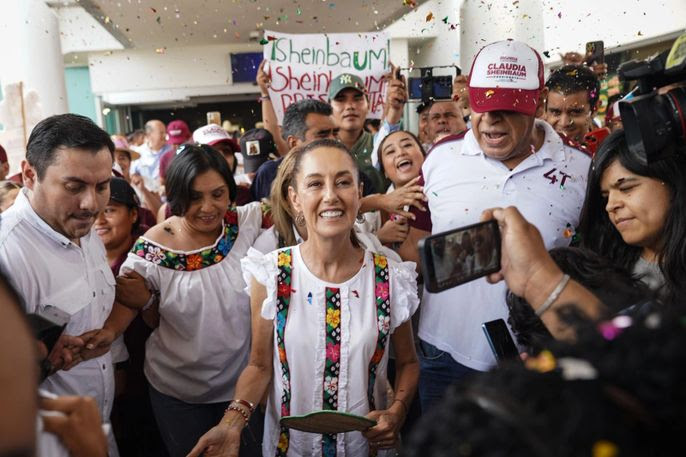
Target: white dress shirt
(47,269)
(548,188)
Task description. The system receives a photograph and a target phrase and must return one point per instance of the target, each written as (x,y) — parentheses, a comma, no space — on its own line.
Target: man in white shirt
(155,146)
(508,159)
(53,257)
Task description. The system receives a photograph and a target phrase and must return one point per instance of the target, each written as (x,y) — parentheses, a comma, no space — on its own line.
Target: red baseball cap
(178,132)
(506,76)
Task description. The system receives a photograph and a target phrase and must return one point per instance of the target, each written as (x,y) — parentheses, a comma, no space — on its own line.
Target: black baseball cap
(122,192)
(256,145)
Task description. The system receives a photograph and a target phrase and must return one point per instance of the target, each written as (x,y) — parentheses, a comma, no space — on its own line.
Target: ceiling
(157,24)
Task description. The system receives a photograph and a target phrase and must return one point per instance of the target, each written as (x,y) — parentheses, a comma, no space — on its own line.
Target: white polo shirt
(548,188)
(47,269)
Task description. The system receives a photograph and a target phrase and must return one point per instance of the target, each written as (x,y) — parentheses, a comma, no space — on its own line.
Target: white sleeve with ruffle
(263,268)
(403,291)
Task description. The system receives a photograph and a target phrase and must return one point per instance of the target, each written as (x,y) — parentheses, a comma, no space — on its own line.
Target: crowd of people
(215,285)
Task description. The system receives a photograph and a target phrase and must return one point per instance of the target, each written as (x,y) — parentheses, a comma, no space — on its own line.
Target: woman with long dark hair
(635,214)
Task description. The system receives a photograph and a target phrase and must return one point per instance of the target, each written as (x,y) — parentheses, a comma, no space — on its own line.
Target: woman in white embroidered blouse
(191,263)
(321,328)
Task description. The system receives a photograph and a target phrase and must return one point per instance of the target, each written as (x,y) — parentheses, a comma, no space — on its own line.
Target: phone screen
(457,256)
(500,340)
(595,52)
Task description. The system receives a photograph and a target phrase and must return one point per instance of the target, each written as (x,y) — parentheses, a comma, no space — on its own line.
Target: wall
(79,93)
(147,76)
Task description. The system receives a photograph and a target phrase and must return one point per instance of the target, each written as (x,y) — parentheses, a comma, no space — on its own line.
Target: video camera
(654,124)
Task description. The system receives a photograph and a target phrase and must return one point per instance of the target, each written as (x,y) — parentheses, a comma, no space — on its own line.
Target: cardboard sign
(302,66)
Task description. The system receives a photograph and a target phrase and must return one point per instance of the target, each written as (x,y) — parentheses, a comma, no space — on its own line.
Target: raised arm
(271,123)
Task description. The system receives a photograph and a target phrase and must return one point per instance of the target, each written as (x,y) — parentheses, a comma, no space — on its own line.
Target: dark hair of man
(324,143)
(615,286)
(64,131)
(383,142)
(575,78)
(599,235)
(295,117)
(192,161)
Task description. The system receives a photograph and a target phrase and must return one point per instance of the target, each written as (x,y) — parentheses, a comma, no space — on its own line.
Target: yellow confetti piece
(429,17)
(568,233)
(489,93)
(543,363)
(605,448)
(161,50)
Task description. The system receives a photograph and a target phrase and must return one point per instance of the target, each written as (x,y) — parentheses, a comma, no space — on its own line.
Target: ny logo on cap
(346,79)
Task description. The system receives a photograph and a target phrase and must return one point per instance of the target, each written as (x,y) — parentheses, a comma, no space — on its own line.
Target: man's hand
(64,353)
(524,258)
(264,79)
(79,427)
(394,231)
(131,290)
(96,343)
(384,435)
(396,96)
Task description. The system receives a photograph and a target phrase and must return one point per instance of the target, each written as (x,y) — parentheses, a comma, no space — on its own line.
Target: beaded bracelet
(243,412)
(246,403)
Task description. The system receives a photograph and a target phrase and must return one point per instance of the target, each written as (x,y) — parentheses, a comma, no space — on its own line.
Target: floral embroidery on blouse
(196,261)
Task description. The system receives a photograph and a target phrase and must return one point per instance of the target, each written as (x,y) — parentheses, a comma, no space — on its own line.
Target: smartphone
(428,86)
(48,324)
(500,340)
(595,52)
(461,255)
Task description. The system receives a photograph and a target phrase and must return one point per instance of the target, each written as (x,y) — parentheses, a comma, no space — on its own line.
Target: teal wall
(79,94)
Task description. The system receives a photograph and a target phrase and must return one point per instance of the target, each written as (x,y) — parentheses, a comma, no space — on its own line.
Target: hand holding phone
(458,256)
(595,53)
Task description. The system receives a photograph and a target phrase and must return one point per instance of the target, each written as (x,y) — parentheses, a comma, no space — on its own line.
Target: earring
(300,219)
(359,218)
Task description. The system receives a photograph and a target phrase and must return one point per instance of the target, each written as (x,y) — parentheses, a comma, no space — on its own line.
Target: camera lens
(654,122)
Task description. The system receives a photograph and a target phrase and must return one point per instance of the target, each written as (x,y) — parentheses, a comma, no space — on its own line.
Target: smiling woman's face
(327,192)
(401,157)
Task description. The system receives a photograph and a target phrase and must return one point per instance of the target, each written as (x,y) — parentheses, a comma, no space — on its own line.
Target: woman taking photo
(635,215)
(190,264)
(323,314)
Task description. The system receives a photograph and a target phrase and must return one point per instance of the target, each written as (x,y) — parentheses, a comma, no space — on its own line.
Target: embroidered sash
(333,340)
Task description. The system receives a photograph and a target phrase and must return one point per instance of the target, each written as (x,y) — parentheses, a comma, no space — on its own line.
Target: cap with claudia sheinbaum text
(506,76)
(346,81)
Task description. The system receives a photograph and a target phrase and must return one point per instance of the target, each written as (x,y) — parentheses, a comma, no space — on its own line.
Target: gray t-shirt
(650,274)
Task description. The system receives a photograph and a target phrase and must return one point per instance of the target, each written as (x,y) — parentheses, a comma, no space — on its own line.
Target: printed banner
(302,66)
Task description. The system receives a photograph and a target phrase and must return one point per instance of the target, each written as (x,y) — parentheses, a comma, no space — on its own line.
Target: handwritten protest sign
(302,66)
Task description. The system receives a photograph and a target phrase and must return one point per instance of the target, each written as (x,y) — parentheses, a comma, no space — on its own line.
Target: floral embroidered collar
(194,260)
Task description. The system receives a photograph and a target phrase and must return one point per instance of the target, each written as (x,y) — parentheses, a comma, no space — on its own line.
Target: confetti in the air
(429,17)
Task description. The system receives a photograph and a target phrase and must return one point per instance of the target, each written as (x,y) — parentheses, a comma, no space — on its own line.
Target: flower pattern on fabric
(190,262)
(283,300)
(333,343)
(332,367)
(333,317)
